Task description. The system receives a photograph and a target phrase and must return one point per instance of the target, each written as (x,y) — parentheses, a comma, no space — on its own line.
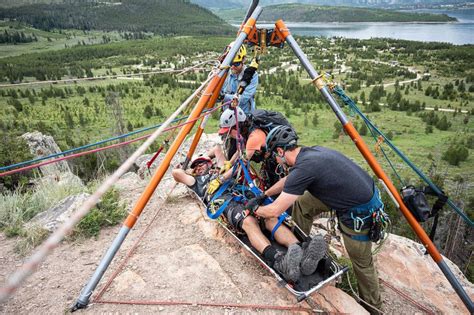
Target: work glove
(227,165)
(214,185)
(253,204)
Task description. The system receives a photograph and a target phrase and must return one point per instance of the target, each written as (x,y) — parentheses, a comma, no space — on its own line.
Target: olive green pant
(305,209)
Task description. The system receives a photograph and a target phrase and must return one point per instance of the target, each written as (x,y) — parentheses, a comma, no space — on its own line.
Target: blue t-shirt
(331,177)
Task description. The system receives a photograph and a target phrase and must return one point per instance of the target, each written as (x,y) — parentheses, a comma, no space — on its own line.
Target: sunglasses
(236,64)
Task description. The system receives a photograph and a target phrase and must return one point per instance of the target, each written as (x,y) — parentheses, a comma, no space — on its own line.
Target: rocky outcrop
(52,218)
(43,145)
(402,264)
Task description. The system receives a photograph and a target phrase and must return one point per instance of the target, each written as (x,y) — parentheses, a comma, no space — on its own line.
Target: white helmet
(228,121)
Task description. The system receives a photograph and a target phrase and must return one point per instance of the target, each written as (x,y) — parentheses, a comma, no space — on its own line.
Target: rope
(32,263)
(104,148)
(359,298)
(3,168)
(165,143)
(408,298)
(292,309)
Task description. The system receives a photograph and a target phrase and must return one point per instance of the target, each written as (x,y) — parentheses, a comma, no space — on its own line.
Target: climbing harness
(370,215)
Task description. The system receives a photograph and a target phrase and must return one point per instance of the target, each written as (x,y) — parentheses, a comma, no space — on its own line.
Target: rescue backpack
(267,120)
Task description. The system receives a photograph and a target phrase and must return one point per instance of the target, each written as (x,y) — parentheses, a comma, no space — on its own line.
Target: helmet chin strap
(283,158)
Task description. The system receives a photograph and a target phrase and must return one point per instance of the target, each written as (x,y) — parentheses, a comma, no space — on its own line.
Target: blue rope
(435,188)
(352,110)
(4,168)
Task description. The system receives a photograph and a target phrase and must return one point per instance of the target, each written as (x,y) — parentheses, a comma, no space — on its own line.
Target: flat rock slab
(198,274)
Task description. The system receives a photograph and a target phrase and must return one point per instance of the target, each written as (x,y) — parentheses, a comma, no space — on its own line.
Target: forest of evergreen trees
(157,16)
(15,37)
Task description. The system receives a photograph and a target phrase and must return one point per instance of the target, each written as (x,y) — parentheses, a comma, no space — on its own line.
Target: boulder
(402,264)
(52,218)
(42,145)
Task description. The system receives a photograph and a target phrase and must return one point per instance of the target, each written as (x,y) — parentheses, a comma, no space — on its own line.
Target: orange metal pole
(370,158)
(211,90)
(200,130)
(205,98)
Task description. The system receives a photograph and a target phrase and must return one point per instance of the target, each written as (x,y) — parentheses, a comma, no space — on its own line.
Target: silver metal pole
(342,117)
(86,293)
(314,75)
(250,10)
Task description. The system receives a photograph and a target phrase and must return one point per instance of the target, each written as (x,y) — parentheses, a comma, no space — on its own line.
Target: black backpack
(267,120)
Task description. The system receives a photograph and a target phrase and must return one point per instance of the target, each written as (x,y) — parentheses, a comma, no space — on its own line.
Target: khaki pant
(305,209)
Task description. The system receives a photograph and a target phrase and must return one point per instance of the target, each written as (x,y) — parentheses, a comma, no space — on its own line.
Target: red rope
(407,297)
(226,305)
(149,163)
(29,167)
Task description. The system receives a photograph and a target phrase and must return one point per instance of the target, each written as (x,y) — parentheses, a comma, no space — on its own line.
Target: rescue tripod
(264,38)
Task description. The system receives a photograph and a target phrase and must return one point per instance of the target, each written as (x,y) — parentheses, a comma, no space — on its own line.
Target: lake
(458,33)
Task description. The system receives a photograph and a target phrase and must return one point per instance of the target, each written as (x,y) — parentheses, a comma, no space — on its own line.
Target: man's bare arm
(276,188)
(273,210)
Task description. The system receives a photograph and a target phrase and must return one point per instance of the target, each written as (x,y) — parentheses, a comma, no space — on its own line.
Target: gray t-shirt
(331,177)
(200,186)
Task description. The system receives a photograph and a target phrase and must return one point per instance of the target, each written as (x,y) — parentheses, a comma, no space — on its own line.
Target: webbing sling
(217,194)
(221,209)
(267,200)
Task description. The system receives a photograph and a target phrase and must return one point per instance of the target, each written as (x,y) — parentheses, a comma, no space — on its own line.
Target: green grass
(17,208)
(51,40)
(108,212)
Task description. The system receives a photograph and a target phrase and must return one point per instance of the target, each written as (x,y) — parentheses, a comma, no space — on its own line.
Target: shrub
(443,123)
(455,154)
(315,119)
(107,213)
(363,130)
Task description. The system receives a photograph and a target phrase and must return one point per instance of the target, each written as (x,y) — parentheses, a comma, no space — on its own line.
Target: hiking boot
(289,264)
(313,253)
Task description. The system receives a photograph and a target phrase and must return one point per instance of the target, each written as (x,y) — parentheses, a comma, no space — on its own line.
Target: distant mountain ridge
(233,4)
(158,16)
(312,13)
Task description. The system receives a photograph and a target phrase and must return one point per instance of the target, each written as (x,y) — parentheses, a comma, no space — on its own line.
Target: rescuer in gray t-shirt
(329,176)
(322,179)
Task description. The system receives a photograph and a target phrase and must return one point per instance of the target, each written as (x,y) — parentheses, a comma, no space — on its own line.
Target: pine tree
(363,130)
(315,120)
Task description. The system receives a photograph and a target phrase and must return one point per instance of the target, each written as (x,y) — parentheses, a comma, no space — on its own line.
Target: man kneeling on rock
(300,258)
